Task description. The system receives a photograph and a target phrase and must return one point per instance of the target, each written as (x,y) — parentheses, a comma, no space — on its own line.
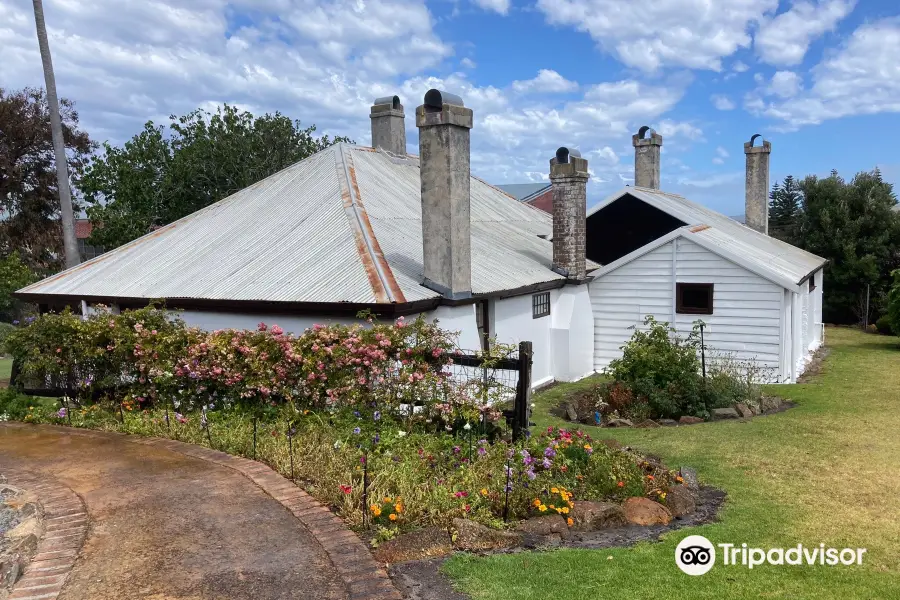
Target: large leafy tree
(29,194)
(853,225)
(784,209)
(164,173)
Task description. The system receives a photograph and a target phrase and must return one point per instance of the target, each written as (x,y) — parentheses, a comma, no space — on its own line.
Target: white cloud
(670,128)
(324,63)
(722,102)
(547,81)
(467,63)
(862,77)
(721,155)
(739,67)
(784,40)
(785,84)
(500,6)
(649,34)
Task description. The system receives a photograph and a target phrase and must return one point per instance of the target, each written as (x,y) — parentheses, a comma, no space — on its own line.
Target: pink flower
(262,327)
(276,330)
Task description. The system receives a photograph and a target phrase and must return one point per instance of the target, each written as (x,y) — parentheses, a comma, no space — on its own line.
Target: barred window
(540,305)
(694,298)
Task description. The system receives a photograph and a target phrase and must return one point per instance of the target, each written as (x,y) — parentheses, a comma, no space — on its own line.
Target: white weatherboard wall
(746,319)
(623,297)
(747,309)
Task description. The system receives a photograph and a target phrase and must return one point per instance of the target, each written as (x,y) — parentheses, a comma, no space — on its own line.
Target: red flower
(621,484)
(346,488)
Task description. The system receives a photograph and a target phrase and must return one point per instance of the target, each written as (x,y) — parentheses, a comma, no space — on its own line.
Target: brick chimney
(388,127)
(756,203)
(569,176)
(444,124)
(646,158)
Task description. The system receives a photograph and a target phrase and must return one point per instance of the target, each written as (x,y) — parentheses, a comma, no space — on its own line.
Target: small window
(540,305)
(694,298)
(812,284)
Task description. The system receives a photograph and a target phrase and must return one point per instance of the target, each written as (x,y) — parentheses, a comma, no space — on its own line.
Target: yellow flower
(559,511)
(570,522)
(377,512)
(537,503)
(663,496)
(388,499)
(554,490)
(542,508)
(373,508)
(393,517)
(587,446)
(552,506)
(398,507)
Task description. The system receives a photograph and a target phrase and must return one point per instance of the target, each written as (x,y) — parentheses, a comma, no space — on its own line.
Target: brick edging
(362,576)
(65,528)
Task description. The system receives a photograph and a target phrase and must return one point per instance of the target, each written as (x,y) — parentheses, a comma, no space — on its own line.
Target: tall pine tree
(784,210)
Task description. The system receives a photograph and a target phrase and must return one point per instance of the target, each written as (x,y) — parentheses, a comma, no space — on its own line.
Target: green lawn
(825,471)
(5,368)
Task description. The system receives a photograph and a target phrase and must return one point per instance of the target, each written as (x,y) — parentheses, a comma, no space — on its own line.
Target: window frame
(812,284)
(540,305)
(681,287)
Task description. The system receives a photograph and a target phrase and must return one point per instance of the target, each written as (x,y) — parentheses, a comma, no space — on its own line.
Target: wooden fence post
(523,390)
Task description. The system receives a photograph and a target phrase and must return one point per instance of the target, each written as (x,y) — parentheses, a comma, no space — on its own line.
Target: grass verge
(823,472)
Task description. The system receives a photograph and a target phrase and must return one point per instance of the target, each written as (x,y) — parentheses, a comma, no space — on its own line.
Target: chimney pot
(444,124)
(388,125)
(756,204)
(568,177)
(646,158)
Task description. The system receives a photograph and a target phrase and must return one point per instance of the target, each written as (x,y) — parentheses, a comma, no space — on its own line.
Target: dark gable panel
(624,226)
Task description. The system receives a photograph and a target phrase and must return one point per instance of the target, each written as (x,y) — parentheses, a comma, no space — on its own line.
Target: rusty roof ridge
(355,210)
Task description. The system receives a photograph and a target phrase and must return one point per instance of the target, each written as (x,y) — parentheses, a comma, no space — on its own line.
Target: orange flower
(570,522)
(393,517)
(650,477)
(536,503)
(621,484)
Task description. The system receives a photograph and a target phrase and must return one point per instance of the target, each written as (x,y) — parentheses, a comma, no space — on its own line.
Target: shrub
(664,369)
(5,330)
(893,311)
(883,325)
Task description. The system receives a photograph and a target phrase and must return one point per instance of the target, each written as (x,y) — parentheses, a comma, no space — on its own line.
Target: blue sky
(820,79)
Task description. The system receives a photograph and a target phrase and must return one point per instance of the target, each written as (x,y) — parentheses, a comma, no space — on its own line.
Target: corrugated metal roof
(780,259)
(523,191)
(343,225)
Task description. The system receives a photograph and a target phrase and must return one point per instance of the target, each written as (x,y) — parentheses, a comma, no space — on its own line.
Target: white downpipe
(796,336)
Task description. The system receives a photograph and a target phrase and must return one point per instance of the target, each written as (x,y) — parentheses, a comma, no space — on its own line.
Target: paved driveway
(164,526)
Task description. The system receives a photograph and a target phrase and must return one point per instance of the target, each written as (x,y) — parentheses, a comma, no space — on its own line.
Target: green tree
(29,198)
(165,173)
(893,311)
(853,226)
(785,209)
(14,275)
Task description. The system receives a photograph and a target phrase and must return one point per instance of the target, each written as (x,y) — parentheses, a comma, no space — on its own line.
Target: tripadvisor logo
(696,555)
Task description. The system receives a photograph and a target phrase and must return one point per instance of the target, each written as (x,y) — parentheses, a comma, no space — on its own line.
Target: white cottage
(356,228)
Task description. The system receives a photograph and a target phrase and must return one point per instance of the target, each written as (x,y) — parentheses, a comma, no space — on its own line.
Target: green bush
(5,330)
(893,311)
(883,325)
(663,368)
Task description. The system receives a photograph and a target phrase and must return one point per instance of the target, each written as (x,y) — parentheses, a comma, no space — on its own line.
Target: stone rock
(570,412)
(770,403)
(611,443)
(470,535)
(743,410)
(648,423)
(619,423)
(688,420)
(719,414)
(643,511)
(424,543)
(554,524)
(591,516)
(680,501)
(667,422)
(690,478)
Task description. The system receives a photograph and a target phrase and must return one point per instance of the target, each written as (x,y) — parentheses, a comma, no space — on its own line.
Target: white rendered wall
(513,323)
(572,334)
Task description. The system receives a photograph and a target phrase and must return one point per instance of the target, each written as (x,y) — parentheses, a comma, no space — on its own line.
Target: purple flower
(376,439)
(481,451)
(549,452)
(16,322)
(456,449)
(62,413)
(356,430)
(377,415)
(356,413)
(546,463)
